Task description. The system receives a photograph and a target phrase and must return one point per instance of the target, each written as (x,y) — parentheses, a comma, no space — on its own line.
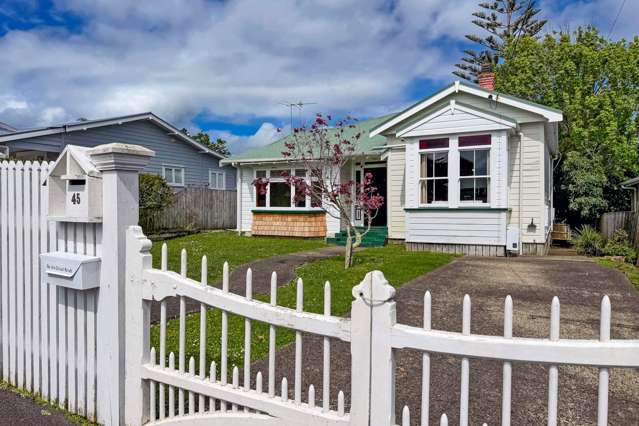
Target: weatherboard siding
(169,151)
(517,114)
(453,122)
(456,226)
(532,184)
(396,193)
(248,201)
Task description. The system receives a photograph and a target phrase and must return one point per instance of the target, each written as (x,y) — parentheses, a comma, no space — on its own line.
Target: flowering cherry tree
(323,149)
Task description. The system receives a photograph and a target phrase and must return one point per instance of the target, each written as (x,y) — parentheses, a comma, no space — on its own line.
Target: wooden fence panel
(612,221)
(195,208)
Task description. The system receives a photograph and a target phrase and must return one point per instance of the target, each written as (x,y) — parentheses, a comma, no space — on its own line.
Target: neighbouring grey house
(181,160)
(5,128)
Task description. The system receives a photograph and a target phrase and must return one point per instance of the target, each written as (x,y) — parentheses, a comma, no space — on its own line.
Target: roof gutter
(634,195)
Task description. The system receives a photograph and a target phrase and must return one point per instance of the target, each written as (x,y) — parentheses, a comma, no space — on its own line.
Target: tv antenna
(299,105)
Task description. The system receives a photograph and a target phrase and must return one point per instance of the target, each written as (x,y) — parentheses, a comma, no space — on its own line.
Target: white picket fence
(89,351)
(374,336)
(48,333)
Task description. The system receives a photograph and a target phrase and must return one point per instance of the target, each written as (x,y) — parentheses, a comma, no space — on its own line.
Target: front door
(379,182)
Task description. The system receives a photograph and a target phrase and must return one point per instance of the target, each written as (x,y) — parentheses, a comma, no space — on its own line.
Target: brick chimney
(487,77)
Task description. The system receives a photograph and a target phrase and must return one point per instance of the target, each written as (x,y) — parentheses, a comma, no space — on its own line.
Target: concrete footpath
(16,409)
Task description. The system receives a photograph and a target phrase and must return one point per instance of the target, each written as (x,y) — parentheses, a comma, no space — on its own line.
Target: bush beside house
(155,195)
(588,241)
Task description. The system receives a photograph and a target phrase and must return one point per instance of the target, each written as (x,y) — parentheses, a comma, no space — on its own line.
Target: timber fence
(195,208)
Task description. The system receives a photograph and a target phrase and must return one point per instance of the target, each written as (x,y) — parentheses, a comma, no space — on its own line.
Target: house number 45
(75,198)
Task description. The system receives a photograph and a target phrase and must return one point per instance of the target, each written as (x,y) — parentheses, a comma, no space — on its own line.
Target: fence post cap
(120,156)
(374,288)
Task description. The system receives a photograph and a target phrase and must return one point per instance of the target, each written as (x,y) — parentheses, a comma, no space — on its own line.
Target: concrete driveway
(532,282)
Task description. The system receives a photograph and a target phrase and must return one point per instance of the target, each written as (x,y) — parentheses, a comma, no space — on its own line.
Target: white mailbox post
(99,186)
(75,195)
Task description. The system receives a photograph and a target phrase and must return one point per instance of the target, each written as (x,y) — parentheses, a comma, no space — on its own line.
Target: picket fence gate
(372,331)
(89,351)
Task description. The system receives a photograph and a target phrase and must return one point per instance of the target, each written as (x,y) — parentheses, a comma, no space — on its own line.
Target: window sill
(293,210)
(460,208)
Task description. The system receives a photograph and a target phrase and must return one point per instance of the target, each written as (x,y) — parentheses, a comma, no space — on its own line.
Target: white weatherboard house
(466,170)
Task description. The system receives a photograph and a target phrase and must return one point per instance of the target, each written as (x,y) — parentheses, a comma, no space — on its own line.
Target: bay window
(454,171)
(279,189)
(474,169)
(278,193)
(299,199)
(260,196)
(433,171)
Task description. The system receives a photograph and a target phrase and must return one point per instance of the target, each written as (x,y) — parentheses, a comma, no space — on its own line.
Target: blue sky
(227,66)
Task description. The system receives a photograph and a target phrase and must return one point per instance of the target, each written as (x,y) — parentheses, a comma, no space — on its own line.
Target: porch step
(376,237)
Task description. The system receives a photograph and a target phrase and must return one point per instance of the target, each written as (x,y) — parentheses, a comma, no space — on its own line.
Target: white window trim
(488,176)
(420,178)
(454,170)
(174,167)
(291,170)
(217,172)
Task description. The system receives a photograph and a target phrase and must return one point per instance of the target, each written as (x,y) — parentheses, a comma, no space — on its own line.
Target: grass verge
(398,265)
(226,246)
(631,271)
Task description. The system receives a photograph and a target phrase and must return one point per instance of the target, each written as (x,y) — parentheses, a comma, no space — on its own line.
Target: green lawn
(398,265)
(631,271)
(227,246)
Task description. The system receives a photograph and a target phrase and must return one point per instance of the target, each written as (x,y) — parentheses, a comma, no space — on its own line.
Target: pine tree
(503,20)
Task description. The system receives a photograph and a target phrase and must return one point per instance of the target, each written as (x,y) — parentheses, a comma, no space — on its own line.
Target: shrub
(155,195)
(588,241)
(619,245)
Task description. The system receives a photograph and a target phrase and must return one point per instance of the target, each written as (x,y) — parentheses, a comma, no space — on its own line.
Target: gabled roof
(90,124)
(80,155)
(5,128)
(273,151)
(453,107)
(550,114)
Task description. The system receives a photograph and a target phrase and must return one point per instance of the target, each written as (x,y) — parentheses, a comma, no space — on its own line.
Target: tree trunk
(351,245)
(348,255)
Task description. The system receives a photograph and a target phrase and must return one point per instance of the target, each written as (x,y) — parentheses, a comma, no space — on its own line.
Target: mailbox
(71,270)
(75,187)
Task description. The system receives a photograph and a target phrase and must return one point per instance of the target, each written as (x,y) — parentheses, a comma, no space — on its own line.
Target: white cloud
(267,133)
(600,13)
(237,60)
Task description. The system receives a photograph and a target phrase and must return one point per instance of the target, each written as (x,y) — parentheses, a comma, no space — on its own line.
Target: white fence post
(120,165)
(138,320)
(373,366)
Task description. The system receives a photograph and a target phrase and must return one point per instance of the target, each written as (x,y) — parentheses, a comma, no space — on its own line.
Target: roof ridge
(269,149)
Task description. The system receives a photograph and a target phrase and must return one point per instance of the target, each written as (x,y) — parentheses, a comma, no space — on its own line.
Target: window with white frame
(433,171)
(279,189)
(173,175)
(217,179)
(279,193)
(474,169)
